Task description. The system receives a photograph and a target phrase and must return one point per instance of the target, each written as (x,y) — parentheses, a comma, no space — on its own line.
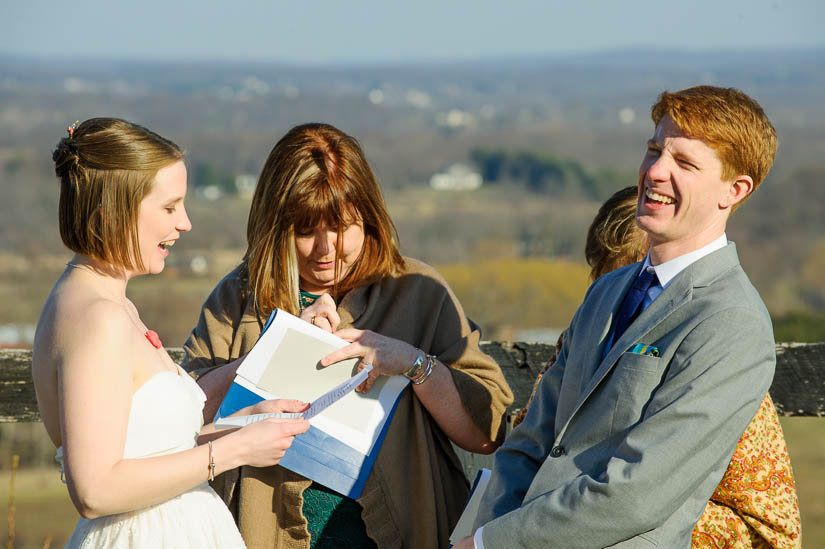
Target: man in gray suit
(664,364)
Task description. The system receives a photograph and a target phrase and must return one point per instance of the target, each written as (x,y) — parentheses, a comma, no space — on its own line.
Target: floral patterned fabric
(755,505)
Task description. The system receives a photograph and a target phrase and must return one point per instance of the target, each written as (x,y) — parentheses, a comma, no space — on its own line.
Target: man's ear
(738,190)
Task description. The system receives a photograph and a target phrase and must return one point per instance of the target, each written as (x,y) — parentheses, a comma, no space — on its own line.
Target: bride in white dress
(126,420)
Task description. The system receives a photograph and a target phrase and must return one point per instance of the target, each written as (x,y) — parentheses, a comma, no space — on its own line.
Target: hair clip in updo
(72,128)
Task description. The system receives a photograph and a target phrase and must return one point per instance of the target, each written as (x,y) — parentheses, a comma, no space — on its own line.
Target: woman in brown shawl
(322,247)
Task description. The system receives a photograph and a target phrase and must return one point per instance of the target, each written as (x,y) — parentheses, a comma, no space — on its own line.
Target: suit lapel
(590,337)
(678,292)
(600,330)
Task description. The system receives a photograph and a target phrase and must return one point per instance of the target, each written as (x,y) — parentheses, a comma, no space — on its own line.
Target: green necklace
(305,299)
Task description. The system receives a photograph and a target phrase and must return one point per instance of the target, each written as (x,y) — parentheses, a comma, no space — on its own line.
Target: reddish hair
(730,122)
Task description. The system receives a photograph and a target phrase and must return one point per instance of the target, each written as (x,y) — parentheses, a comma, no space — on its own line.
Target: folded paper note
(321,403)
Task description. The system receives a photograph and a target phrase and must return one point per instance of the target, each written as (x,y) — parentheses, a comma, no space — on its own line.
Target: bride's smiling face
(162,217)
(317,251)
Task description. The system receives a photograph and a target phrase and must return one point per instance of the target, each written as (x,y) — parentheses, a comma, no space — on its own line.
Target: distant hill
(561,131)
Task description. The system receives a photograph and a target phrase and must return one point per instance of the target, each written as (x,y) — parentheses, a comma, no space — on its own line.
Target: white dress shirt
(668,270)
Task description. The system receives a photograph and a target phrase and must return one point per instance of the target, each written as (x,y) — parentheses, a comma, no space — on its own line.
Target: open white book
(347,427)
(316,407)
(464,526)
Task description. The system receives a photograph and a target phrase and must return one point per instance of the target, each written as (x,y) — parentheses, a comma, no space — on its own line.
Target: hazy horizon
(372,32)
(435,62)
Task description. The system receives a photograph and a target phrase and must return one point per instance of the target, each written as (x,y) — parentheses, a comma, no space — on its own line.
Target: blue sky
(374,31)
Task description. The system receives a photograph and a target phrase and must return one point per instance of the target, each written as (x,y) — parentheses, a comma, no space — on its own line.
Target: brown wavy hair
(613,239)
(730,122)
(316,173)
(106,167)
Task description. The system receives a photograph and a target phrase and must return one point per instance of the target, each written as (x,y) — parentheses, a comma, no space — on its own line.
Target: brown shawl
(417,489)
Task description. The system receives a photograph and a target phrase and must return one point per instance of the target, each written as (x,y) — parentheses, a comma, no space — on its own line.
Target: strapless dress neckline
(166,417)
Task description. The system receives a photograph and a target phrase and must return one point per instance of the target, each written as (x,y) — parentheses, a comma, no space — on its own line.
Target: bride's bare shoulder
(79,337)
(76,317)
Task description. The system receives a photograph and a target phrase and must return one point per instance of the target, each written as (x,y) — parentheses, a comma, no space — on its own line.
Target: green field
(44,514)
(806,444)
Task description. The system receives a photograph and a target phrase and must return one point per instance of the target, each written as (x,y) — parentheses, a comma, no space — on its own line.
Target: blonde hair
(106,167)
(613,239)
(730,122)
(316,173)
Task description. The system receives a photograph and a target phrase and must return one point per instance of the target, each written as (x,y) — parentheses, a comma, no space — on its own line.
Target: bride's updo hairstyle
(106,167)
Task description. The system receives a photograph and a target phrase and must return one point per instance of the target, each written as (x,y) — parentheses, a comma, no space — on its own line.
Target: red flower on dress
(154,339)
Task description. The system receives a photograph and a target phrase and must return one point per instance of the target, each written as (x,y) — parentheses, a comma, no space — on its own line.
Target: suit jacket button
(557,451)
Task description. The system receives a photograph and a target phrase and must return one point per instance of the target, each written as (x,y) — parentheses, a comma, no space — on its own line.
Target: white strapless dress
(166,417)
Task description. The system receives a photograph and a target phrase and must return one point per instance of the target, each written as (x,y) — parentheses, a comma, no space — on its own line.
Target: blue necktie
(632,304)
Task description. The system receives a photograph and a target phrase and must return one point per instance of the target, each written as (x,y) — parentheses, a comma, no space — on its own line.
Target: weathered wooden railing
(798,387)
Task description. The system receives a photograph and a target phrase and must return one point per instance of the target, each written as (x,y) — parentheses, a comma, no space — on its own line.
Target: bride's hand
(322,313)
(263,443)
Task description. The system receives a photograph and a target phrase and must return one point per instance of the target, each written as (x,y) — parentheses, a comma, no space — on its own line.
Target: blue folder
(315,454)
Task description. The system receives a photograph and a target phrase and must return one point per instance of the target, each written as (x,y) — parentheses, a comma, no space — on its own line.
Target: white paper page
(464,526)
(321,403)
(284,364)
(334,395)
(243,421)
(364,438)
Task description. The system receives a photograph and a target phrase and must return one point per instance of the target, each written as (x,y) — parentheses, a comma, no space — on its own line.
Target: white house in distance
(457,177)
(245,183)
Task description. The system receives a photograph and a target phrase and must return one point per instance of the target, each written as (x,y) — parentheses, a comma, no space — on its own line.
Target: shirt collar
(668,270)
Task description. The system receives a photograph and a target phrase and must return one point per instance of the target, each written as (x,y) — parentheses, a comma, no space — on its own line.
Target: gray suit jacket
(626,449)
